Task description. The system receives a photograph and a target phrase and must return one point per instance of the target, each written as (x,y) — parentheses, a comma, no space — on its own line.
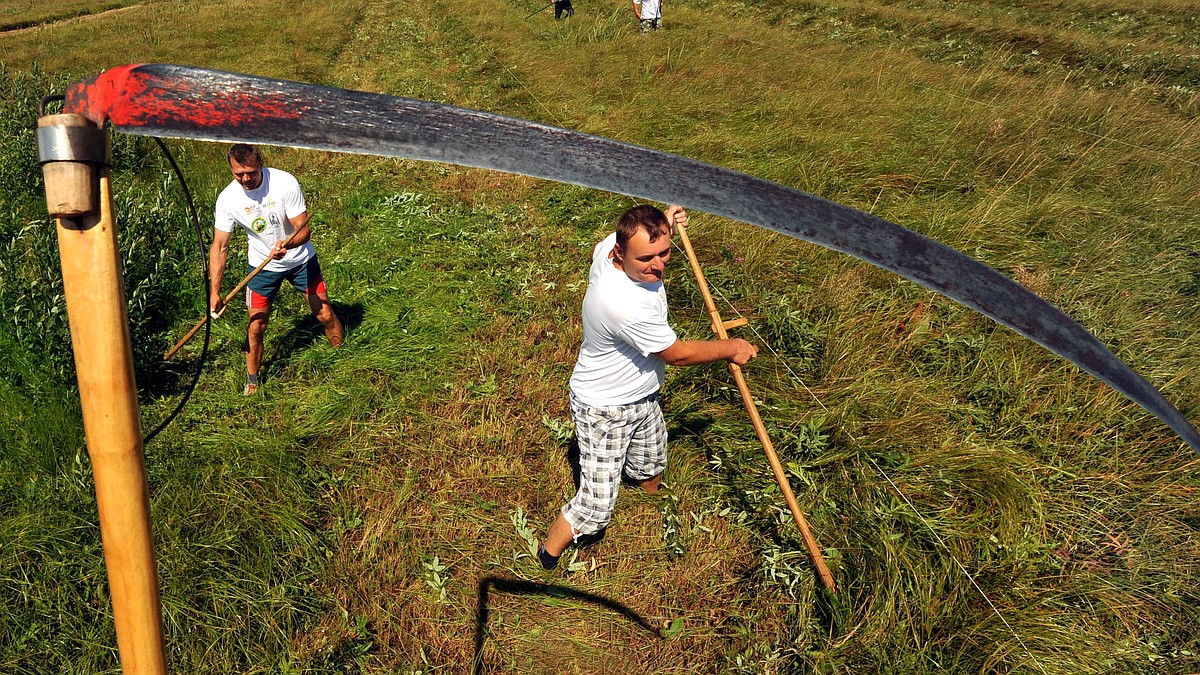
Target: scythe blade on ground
(184,102)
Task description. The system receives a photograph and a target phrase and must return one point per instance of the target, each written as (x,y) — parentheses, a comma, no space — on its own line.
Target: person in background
(649,14)
(269,205)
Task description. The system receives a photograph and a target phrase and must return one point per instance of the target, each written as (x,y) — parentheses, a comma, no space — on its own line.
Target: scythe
(184,102)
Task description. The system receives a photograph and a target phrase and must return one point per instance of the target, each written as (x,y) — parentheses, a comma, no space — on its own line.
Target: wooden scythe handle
(224,303)
(95,299)
(718,326)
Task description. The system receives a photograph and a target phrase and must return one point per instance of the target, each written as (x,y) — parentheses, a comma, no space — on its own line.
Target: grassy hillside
(984,506)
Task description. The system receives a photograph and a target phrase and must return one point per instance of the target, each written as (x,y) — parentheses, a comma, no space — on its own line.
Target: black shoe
(548,561)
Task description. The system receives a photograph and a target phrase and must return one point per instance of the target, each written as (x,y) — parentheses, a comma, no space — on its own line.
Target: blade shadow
(514,586)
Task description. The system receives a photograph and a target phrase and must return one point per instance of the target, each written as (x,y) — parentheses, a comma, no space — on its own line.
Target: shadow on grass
(523,587)
(306,330)
(689,424)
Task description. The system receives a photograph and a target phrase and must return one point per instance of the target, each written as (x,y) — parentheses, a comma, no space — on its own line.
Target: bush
(158,256)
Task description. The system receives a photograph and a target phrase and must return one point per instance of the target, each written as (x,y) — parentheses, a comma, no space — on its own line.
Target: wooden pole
(95,298)
(224,302)
(720,328)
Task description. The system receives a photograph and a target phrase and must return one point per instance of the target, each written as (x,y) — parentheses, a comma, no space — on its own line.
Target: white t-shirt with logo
(264,212)
(624,327)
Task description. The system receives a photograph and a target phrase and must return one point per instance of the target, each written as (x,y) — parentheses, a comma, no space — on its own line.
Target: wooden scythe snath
(74,156)
(721,327)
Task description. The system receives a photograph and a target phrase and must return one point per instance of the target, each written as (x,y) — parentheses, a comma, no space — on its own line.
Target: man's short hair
(648,218)
(244,154)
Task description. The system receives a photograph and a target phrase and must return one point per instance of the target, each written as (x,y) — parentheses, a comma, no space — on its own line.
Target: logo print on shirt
(258,225)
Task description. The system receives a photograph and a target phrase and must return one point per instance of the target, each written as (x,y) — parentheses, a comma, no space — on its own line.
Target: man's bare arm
(300,236)
(217,255)
(696,352)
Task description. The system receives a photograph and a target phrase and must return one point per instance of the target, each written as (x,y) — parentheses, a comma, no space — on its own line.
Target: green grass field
(984,506)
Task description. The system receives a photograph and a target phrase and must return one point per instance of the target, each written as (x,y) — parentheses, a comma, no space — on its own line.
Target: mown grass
(984,506)
(19,15)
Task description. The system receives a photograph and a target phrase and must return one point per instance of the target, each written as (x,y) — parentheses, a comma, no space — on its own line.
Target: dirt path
(4,32)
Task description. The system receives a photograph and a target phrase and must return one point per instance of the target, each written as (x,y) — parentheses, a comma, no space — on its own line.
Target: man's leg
(259,293)
(311,282)
(254,342)
(603,441)
(323,310)
(651,485)
(560,535)
(647,455)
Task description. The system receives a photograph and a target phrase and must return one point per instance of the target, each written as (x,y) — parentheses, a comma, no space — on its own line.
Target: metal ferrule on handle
(72,151)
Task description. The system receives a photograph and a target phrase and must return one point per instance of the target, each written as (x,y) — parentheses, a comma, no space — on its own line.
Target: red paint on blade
(95,97)
(137,96)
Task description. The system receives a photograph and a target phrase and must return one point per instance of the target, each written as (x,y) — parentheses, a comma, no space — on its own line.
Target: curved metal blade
(183,102)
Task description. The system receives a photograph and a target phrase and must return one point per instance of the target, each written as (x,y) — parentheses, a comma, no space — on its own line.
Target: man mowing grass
(614,389)
(269,205)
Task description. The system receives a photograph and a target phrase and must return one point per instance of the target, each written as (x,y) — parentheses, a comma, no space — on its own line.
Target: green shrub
(158,249)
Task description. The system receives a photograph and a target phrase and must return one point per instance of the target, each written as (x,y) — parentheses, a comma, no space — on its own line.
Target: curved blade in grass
(184,102)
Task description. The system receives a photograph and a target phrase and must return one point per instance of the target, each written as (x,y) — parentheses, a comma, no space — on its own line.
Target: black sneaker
(548,561)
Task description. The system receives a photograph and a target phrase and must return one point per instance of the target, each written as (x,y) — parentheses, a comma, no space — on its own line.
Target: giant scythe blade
(184,102)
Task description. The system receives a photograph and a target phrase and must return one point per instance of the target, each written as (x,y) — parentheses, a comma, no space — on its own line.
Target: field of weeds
(984,506)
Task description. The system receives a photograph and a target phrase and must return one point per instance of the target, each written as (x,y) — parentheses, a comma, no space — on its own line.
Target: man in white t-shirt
(269,205)
(627,343)
(649,14)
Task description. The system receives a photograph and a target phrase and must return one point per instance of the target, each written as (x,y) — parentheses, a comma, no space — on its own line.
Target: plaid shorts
(613,439)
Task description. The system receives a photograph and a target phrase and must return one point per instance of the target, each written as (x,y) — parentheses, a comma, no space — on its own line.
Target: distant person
(269,205)
(563,7)
(649,14)
(614,389)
